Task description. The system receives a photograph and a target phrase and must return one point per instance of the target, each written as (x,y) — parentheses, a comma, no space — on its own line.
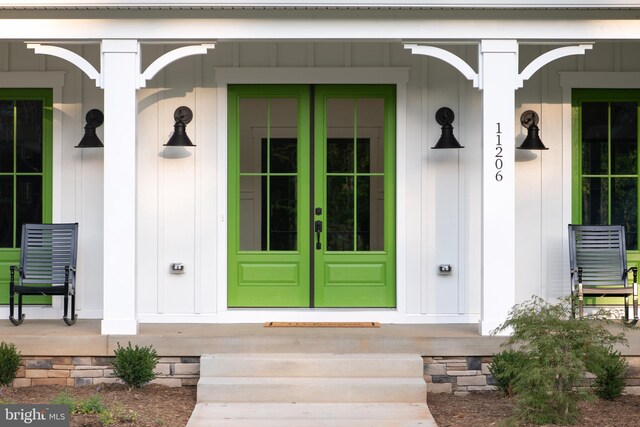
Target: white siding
(178,215)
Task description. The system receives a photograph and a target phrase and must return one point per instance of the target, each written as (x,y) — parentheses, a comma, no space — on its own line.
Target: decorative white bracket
(169,57)
(548,57)
(69,56)
(142,78)
(470,74)
(447,57)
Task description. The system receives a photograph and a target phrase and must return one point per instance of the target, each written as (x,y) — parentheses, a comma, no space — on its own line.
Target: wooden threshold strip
(321,324)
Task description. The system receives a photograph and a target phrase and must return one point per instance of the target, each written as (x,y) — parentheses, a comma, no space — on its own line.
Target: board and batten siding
(179,210)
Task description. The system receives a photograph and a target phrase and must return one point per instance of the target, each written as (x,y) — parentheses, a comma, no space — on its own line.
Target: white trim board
(303,75)
(308,315)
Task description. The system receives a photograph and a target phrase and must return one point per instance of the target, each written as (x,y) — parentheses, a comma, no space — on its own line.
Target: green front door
(25,172)
(311,196)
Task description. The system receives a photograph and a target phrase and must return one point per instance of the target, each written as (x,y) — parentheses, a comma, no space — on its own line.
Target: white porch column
(498,77)
(120,70)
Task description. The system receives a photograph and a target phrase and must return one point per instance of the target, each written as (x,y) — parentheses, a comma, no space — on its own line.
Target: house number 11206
(498,162)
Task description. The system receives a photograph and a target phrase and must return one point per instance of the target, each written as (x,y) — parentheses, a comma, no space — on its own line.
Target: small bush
(91,405)
(609,367)
(9,363)
(558,348)
(505,367)
(135,365)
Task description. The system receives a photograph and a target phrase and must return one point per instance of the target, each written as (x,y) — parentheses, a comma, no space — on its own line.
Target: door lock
(318,230)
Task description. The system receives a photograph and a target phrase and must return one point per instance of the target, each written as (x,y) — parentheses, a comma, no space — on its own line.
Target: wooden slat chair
(598,262)
(47,266)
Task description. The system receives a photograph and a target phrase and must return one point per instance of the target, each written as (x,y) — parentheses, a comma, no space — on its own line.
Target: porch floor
(54,338)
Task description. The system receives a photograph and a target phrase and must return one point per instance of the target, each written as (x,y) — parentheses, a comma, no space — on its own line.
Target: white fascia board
(438,4)
(318,29)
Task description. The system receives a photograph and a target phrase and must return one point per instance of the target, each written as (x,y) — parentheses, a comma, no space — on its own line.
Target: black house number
(498,162)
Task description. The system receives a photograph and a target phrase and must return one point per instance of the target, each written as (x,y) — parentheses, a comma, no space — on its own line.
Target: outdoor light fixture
(444,117)
(94,119)
(529,119)
(182,116)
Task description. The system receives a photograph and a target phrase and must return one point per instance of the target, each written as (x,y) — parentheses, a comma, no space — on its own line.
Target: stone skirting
(458,375)
(86,371)
(450,374)
(461,375)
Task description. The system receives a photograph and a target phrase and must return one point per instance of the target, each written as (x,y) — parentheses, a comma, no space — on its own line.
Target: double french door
(311,196)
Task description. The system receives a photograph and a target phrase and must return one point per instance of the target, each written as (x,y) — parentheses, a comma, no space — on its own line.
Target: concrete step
(311,389)
(311,365)
(311,415)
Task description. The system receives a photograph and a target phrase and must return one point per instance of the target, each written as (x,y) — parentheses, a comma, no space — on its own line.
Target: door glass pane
(624,208)
(370,134)
(6,211)
(595,201)
(370,220)
(284,214)
(28,202)
(340,118)
(6,136)
(595,136)
(284,155)
(253,218)
(29,135)
(624,138)
(340,207)
(339,155)
(253,129)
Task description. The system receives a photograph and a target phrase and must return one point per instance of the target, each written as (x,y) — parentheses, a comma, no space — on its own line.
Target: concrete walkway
(311,415)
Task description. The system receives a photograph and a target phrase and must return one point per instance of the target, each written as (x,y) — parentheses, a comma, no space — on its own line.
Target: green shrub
(9,363)
(91,405)
(558,348)
(505,366)
(65,398)
(609,367)
(135,365)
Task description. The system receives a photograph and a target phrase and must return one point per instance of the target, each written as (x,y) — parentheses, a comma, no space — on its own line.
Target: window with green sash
(25,170)
(606,159)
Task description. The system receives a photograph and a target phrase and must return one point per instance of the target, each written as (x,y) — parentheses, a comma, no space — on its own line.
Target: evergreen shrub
(135,365)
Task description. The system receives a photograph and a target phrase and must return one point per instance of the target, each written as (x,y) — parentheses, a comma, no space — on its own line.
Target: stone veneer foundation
(86,371)
(457,375)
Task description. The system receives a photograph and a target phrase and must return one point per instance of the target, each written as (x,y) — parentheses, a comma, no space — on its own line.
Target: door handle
(318,230)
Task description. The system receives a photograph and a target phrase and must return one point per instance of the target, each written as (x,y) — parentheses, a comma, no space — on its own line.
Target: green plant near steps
(504,367)
(557,349)
(9,363)
(609,367)
(94,405)
(135,365)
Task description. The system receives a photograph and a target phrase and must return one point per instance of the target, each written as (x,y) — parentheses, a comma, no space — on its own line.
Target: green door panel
(268,242)
(25,173)
(355,190)
(279,189)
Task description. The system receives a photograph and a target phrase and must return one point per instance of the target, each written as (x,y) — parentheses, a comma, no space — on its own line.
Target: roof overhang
(320,4)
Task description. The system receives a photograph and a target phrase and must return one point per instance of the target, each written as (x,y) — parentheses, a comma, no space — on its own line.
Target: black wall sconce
(94,119)
(444,117)
(182,116)
(529,119)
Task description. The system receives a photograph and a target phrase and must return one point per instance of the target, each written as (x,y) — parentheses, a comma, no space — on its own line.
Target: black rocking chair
(598,262)
(47,266)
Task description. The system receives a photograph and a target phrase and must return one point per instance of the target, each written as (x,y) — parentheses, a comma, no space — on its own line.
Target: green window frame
(23,165)
(606,168)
